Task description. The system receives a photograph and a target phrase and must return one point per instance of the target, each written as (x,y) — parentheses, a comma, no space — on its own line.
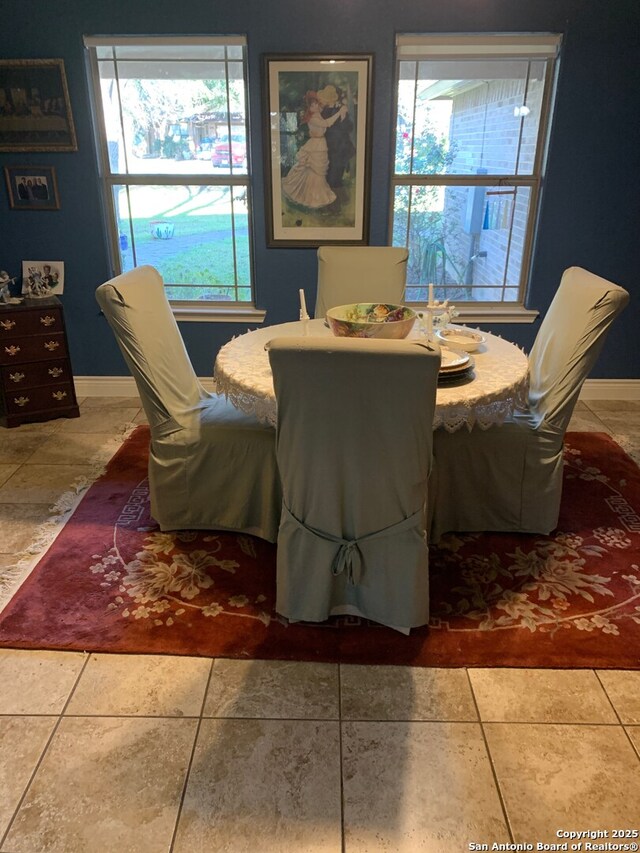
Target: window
(172,133)
(470,137)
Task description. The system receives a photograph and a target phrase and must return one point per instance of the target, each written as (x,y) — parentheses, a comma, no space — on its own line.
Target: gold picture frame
(35,113)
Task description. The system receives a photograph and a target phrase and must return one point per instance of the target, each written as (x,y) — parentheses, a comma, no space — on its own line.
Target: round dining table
(488,394)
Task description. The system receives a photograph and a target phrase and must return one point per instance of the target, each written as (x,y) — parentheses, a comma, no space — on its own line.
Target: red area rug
(111,582)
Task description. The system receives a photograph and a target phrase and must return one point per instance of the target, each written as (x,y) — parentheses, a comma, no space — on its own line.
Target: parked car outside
(220,151)
(204,148)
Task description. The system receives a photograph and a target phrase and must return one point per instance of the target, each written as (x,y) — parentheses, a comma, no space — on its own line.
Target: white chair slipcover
(349,274)
(354,436)
(211,467)
(509,478)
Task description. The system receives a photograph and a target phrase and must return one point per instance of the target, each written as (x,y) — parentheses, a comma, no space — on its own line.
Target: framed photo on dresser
(42,278)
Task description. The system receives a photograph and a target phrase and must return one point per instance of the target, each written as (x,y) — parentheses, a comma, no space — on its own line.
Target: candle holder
(435,315)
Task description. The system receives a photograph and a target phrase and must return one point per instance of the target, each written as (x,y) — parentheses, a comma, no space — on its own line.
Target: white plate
(460,339)
(446,376)
(453,360)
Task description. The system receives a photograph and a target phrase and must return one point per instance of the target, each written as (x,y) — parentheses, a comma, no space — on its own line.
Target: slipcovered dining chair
(211,467)
(354,436)
(349,274)
(509,478)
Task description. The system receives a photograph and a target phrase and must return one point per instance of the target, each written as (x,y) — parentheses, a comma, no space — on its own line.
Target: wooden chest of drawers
(36,382)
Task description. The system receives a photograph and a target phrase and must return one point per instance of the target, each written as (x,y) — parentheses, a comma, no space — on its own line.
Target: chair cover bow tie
(348,557)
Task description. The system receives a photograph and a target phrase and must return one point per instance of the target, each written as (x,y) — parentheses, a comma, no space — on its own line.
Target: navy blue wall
(590,214)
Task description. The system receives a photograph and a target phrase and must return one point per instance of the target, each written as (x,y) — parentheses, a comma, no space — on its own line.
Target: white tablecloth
(498,383)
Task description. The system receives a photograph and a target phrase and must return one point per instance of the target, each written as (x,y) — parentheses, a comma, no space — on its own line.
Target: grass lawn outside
(193,247)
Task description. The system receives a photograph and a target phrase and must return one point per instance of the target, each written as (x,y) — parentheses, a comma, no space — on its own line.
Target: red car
(220,151)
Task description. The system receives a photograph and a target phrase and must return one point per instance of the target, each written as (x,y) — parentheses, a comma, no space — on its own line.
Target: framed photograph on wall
(32,187)
(42,278)
(318,148)
(35,113)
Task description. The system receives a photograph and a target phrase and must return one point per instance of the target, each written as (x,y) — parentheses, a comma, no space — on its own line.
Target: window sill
(490,313)
(199,313)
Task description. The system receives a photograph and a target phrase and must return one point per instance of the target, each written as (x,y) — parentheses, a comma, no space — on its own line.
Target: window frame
(509,47)
(197,310)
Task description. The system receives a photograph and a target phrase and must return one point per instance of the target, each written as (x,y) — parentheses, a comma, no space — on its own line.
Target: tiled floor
(120,753)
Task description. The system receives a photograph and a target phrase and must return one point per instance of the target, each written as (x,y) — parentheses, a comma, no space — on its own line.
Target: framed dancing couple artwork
(318,148)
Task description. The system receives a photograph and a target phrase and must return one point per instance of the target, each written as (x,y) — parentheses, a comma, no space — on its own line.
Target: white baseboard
(115,386)
(611,389)
(124,386)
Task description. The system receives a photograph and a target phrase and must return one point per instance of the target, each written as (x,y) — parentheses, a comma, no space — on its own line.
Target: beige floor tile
(110,403)
(554,776)
(106,785)
(614,405)
(629,442)
(141,418)
(16,447)
(42,427)
(278,689)
(268,786)
(22,740)
(7,578)
(620,420)
(34,483)
(100,420)
(584,420)
(412,787)
(141,685)
(540,696)
(634,734)
(68,448)
(623,688)
(405,693)
(37,682)
(6,470)
(18,524)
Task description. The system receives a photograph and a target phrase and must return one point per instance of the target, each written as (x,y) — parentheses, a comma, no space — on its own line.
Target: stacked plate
(454,364)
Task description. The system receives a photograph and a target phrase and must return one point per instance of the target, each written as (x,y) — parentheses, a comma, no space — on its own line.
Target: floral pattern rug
(112,582)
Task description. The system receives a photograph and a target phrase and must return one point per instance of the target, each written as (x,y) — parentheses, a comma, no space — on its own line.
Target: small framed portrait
(35,113)
(318,148)
(32,187)
(42,278)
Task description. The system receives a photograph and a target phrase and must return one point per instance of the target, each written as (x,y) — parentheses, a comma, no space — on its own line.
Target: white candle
(303,306)
(431,294)
(430,325)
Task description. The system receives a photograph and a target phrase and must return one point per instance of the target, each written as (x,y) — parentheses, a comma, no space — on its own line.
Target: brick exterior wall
(485,134)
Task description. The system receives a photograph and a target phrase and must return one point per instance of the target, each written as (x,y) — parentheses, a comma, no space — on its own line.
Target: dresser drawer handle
(51,345)
(7,324)
(59,395)
(21,401)
(12,350)
(55,372)
(47,320)
(16,377)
